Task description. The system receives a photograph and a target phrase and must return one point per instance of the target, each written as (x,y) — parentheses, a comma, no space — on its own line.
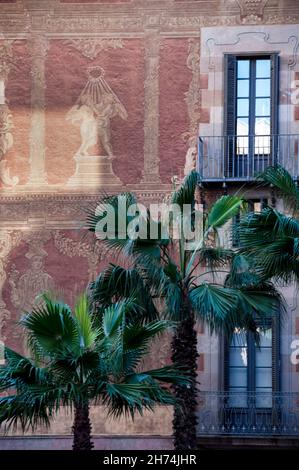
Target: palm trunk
(184,353)
(82,428)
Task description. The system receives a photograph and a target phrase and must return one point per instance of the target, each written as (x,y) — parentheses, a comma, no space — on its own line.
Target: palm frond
(14,412)
(213,304)
(88,332)
(117,283)
(186,193)
(280,179)
(138,336)
(169,374)
(214,257)
(127,399)
(223,210)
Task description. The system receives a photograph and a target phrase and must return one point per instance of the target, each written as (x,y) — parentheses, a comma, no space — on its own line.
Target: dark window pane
(242,126)
(243,68)
(263,87)
(238,397)
(243,107)
(238,357)
(239,340)
(238,376)
(266,338)
(263,377)
(263,357)
(263,68)
(262,107)
(243,88)
(264,399)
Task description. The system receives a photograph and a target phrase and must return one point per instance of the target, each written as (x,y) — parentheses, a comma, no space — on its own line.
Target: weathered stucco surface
(151,58)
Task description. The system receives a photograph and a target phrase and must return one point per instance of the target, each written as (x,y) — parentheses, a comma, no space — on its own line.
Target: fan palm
(165,268)
(77,359)
(271,237)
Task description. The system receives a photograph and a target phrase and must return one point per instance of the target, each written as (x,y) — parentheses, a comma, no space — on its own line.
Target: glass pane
(262,107)
(262,87)
(238,376)
(263,68)
(243,89)
(243,107)
(263,377)
(237,398)
(266,338)
(243,68)
(242,145)
(239,340)
(238,357)
(264,399)
(262,145)
(242,126)
(264,357)
(262,126)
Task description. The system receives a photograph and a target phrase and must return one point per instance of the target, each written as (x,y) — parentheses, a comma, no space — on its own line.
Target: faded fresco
(111,96)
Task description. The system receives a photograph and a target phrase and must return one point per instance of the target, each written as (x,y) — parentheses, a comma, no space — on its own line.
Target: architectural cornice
(54,17)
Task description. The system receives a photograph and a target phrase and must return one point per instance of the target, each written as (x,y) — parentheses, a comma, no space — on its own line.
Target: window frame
(230,109)
(274,322)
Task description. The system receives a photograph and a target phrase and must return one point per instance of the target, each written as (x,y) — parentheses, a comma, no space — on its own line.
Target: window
(250,113)
(252,370)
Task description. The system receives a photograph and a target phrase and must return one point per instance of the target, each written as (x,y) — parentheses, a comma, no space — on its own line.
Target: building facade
(187,83)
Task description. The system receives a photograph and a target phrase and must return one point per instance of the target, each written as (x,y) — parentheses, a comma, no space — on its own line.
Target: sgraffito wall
(99,95)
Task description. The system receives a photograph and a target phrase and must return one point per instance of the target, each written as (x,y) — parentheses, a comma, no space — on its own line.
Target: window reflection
(262,87)
(250,371)
(262,107)
(243,88)
(253,113)
(263,68)
(243,69)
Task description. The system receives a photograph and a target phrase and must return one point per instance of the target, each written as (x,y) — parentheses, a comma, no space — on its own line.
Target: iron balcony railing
(241,158)
(248,414)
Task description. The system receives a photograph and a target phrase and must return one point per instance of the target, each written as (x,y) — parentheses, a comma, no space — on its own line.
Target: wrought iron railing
(248,414)
(241,158)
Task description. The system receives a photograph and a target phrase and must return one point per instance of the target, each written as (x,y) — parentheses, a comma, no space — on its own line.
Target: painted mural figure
(94,109)
(6,142)
(6,125)
(190,160)
(88,127)
(26,288)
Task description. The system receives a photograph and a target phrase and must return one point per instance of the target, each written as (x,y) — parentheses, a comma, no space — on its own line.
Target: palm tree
(187,283)
(270,237)
(77,359)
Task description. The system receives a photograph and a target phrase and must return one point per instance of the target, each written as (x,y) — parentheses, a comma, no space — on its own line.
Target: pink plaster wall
(70,277)
(66,75)
(175,78)
(18,96)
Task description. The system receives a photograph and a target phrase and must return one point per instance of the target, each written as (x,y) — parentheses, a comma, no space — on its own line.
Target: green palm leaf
(279,177)
(213,303)
(88,332)
(223,210)
(186,193)
(51,328)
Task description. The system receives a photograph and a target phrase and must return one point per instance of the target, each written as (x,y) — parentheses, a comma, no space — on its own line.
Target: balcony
(244,414)
(241,158)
